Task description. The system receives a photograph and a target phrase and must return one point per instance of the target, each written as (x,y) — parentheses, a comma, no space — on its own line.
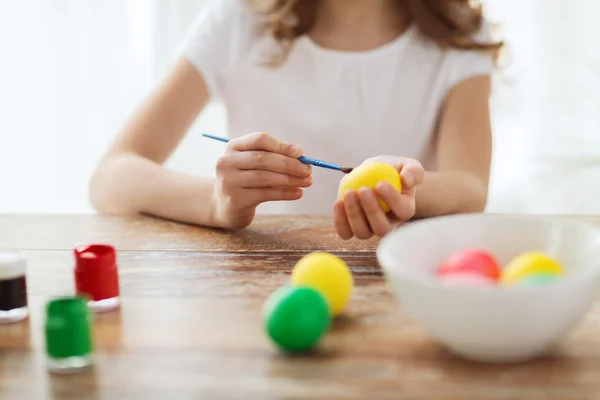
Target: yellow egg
(528,264)
(369,175)
(327,274)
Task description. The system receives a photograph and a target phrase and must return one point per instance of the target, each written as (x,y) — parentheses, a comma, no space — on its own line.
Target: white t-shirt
(340,107)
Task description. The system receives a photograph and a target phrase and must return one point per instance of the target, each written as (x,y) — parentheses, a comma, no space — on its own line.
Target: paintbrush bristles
(346,170)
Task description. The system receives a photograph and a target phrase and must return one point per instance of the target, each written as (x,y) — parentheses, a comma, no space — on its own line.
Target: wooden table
(190,323)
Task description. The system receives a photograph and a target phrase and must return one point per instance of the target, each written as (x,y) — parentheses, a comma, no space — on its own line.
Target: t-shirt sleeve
(217,40)
(465,64)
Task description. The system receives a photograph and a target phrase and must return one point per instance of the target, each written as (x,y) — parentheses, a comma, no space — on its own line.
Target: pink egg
(470,261)
(467,279)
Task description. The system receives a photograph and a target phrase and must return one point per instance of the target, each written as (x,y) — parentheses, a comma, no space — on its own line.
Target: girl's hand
(256,168)
(359,213)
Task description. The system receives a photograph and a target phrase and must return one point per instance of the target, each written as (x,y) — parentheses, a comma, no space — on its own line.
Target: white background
(71,71)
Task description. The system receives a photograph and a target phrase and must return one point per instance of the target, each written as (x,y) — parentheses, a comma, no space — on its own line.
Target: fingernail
(382,186)
(296,151)
(350,194)
(409,179)
(305,169)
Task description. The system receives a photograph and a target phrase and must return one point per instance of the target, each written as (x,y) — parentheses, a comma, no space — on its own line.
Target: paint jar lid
(68,328)
(96,275)
(95,256)
(12,264)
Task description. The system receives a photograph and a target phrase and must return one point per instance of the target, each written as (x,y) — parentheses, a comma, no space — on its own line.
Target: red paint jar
(97,277)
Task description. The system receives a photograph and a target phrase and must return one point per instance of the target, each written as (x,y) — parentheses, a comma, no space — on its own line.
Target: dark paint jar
(13,287)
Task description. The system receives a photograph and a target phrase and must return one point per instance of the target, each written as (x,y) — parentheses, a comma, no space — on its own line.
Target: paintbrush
(304,160)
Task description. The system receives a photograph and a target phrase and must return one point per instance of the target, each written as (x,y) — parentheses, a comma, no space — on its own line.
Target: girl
(338,80)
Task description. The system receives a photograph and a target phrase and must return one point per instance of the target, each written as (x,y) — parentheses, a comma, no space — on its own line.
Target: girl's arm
(460,183)
(131,179)
(255,168)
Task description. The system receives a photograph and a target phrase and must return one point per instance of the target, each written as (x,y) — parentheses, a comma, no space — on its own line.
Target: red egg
(473,261)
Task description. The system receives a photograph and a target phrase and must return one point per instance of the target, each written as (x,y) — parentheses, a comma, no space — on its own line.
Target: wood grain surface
(269,233)
(190,325)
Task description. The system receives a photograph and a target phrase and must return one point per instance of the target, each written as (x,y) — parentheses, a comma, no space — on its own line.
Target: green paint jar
(68,335)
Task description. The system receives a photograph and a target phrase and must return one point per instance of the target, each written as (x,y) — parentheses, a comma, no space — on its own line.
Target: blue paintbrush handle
(305,160)
(318,163)
(220,139)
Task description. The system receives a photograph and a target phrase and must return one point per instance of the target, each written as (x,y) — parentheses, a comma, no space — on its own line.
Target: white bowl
(493,324)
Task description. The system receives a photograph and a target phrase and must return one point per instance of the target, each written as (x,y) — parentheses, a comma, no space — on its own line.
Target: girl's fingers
(278,194)
(401,205)
(265,179)
(356,217)
(262,141)
(342,226)
(266,161)
(246,198)
(379,222)
(412,173)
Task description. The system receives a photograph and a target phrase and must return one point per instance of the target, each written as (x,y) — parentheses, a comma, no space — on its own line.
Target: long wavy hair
(450,23)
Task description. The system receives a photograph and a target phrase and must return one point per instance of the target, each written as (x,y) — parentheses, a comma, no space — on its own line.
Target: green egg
(295,318)
(537,279)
